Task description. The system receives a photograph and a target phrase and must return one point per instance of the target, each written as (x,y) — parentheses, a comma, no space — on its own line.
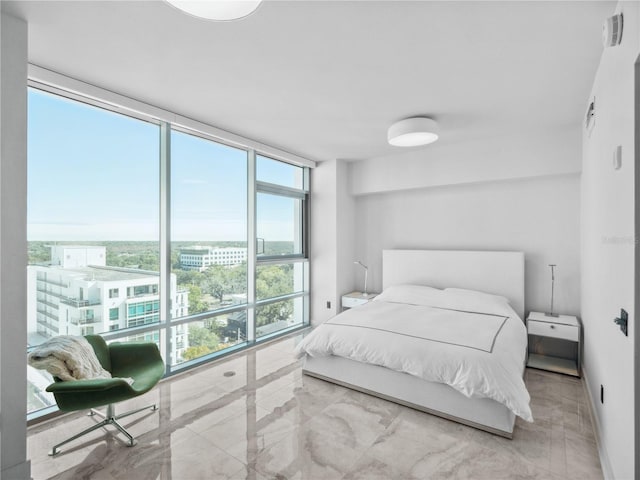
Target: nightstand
(354,299)
(554,343)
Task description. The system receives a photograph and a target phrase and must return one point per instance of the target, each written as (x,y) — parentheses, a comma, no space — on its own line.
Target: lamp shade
(412,132)
(221,10)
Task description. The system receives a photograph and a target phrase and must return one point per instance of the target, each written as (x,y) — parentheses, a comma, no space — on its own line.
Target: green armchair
(140,361)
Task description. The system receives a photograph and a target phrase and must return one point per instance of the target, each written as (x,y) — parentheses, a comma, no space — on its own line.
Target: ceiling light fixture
(221,10)
(413,131)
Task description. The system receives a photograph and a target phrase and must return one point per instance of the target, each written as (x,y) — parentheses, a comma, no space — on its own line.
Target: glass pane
(154,336)
(209,224)
(279,225)
(92,221)
(282,279)
(37,396)
(197,339)
(279,173)
(278,316)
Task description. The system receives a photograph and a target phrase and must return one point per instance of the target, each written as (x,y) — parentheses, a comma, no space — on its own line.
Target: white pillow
(450,298)
(412,294)
(476,294)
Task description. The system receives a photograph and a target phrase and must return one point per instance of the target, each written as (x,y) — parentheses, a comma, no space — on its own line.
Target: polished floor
(254,416)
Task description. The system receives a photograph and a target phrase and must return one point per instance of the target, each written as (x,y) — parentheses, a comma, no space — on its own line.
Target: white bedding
(474,343)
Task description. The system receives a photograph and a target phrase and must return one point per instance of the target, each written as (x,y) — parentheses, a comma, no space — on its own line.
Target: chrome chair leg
(110,418)
(132,441)
(93,412)
(126,414)
(55,451)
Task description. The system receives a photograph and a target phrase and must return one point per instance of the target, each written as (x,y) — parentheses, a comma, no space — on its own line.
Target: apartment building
(78,294)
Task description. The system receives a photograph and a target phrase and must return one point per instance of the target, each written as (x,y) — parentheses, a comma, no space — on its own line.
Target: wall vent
(612,31)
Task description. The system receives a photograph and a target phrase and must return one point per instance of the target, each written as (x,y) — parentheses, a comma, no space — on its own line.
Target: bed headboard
(500,273)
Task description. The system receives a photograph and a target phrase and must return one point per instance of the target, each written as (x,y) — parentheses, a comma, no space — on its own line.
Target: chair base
(110,418)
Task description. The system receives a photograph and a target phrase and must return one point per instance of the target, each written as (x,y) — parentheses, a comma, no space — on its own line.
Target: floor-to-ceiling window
(92,224)
(209,185)
(142,230)
(282,273)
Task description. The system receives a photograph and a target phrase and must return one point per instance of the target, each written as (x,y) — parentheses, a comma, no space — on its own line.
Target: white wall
(332,230)
(608,245)
(347,272)
(13,248)
(515,192)
(539,216)
(323,244)
(528,155)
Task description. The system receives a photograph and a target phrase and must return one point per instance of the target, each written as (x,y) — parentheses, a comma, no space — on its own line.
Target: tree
(39,252)
(216,325)
(236,277)
(215,282)
(200,336)
(195,352)
(196,304)
(273,281)
(188,277)
(148,261)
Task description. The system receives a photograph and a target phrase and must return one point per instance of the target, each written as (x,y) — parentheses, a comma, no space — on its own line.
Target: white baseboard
(607,471)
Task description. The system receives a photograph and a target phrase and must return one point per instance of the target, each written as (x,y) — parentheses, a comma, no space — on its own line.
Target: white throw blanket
(68,358)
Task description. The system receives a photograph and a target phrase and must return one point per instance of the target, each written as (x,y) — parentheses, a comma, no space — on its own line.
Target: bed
(435,287)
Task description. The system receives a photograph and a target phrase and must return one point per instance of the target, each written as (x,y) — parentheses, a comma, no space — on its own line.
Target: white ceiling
(326,79)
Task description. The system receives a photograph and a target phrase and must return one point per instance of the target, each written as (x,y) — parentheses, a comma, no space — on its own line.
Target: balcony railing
(74,302)
(49,292)
(49,304)
(49,325)
(144,294)
(54,282)
(47,313)
(84,321)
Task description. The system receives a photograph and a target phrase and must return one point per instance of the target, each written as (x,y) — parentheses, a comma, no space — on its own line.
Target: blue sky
(94,175)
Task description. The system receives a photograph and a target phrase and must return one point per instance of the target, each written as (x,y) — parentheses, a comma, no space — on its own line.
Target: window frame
(68,88)
(297,194)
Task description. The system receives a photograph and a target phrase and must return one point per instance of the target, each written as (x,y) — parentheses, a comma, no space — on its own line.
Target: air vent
(612,31)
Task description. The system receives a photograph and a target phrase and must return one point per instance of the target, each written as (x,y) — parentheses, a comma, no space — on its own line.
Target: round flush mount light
(412,132)
(220,10)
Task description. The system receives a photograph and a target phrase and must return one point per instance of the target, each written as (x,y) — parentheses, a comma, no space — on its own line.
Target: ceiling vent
(612,31)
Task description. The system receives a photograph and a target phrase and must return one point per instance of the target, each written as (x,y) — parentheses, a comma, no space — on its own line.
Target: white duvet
(471,341)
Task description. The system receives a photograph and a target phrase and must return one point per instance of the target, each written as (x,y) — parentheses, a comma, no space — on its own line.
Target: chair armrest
(90,385)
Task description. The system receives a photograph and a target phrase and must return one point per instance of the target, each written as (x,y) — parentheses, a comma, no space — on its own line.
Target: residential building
(78,294)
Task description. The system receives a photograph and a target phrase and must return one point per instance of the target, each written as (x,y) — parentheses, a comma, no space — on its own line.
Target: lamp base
(550,314)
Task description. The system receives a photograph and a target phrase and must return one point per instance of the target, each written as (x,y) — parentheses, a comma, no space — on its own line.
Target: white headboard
(500,273)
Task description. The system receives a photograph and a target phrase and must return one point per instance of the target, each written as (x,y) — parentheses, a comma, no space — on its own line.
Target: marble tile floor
(265,420)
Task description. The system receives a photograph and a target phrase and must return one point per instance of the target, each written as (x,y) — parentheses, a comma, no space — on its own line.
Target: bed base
(429,397)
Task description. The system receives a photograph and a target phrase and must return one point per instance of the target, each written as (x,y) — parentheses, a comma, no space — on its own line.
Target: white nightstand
(354,299)
(554,343)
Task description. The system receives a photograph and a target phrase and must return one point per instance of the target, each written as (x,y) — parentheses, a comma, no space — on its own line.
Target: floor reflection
(269,421)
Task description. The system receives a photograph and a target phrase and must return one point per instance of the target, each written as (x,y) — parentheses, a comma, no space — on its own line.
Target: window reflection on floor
(255,416)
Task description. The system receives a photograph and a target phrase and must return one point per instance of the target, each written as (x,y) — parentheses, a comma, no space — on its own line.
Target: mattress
(472,342)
